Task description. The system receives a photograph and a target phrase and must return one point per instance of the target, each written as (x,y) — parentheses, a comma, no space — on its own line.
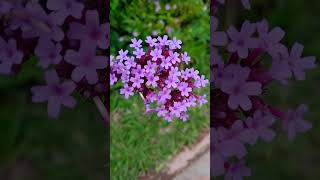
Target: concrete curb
(183,159)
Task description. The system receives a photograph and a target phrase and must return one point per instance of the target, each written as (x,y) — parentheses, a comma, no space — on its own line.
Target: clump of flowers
(240,116)
(158,75)
(69,38)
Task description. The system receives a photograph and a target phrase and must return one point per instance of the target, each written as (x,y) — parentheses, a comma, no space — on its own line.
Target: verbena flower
(166,89)
(48,52)
(92,32)
(86,63)
(66,7)
(66,38)
(55,93)
(9,55)
(240,78)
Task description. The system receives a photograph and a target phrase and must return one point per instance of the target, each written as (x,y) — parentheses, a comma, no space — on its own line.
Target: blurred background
(282,159)
(35,147)
(142,144)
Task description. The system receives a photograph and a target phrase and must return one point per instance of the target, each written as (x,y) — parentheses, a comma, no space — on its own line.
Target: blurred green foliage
(141,144)
(189,22)
(35,147)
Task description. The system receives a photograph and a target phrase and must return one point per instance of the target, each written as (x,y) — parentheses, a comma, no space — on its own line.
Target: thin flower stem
(142,97)
(102,109)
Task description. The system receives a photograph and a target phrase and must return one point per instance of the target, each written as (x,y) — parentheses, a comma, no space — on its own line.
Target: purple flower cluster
(69,38)
(240,116)
(157,74)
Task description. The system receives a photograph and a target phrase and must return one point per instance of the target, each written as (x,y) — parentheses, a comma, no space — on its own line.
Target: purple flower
(259,126)
(184,116)
(55,93)
(165,63)
(172,81)
(280,71)
(218,38)
(24,21)
(201,81)
(152,97)
(163,41)
(113,79)
(233,140)
(194,73)
(48,53)
(184,88)
(175,43)
(138,71)
(127,91)
(38,23)
(66,7)
(294,122)
(164,94)
(86,63)
(136,81)
(176,109)
(239,89)
(92,33)
(139,52)
(238,171)
(174,71)
(122,55)
(136,43)
(242,41)
(156,54)
(130,63)
(9,55)
(185,74)
(202,100)
(269,41)
(190,102)
(168,117)
(173,57)
(152,81)
(162,112)
(125,77)
(150,67)
(185,57)
(151,41)
(296,63)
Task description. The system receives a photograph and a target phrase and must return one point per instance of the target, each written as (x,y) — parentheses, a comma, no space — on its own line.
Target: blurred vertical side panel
(54,89)
(108,94)
(212,9)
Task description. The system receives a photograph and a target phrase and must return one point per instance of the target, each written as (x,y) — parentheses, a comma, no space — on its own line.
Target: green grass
(141,144)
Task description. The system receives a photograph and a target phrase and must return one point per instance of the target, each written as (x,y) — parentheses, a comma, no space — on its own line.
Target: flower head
(157,76)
